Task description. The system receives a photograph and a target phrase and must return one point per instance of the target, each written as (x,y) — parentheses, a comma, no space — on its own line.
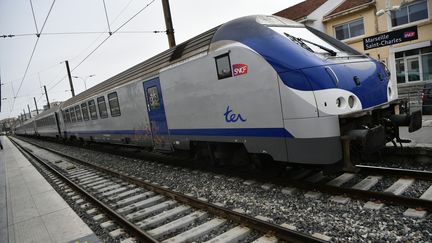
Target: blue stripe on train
(243,132)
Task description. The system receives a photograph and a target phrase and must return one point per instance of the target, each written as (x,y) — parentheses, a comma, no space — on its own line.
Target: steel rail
(122,221)
(384,197)
(416,174)
(264,227)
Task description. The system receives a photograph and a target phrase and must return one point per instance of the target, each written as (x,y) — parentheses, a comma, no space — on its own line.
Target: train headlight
(351,101)
(340,102)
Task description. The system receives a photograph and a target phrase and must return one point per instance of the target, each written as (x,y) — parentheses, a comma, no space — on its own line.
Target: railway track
(132,209)
(368,177)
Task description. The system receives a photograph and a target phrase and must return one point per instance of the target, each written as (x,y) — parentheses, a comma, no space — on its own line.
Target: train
(254,88)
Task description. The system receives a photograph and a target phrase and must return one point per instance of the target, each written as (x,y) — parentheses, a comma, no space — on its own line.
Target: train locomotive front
(333,99)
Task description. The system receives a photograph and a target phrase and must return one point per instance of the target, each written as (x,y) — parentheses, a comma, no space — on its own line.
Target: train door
(156,112)
(57,120)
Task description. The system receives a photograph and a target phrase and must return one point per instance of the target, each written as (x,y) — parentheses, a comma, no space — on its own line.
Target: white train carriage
(260,85)
(26,128)
(48,123)
(109,116)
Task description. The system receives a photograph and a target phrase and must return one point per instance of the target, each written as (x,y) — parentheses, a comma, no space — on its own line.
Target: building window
(223,66)
(114,104)
(349,30)
(92,108)
(410,13)
(103,113)
(414,65)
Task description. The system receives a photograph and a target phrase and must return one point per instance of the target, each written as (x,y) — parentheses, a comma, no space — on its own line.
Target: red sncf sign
(240,69)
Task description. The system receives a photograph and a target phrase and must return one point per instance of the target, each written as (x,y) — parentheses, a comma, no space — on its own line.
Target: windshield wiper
(301,42)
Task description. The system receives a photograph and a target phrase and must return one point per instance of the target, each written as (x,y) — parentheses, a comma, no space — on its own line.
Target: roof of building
(300,10)
(348,5)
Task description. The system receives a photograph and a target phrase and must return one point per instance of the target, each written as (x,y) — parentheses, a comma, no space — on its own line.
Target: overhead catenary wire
(77,33)
(115,19)
(32,54)
(34,17)
(85,33)
(106,16)
(115,31)
(103,41)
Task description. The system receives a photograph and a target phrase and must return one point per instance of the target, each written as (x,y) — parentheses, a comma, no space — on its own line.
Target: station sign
(390,38)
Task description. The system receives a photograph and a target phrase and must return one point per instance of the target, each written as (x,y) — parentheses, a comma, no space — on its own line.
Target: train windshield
(317,42)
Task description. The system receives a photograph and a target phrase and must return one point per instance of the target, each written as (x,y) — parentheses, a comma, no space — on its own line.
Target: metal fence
(413,93)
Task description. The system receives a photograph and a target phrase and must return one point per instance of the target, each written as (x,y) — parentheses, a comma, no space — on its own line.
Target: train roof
(192,47)
(152,66)
(48,112)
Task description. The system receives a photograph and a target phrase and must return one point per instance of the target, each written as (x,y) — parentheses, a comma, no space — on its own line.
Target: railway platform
(30,209)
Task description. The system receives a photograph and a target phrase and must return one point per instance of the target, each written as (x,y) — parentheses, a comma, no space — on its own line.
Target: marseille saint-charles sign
(390,38)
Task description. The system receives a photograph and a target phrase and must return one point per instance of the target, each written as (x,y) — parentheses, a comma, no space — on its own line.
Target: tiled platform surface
(30,209)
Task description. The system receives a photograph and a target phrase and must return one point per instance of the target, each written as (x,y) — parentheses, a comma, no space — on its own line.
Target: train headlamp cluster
(341,102)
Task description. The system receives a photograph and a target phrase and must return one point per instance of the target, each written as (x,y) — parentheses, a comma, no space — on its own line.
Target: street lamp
(85,79)
(388,9)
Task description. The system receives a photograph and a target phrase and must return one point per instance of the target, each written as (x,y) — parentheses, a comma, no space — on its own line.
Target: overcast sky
(119,52)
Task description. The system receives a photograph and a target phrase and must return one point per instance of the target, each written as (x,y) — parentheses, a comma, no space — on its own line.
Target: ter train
(261,86)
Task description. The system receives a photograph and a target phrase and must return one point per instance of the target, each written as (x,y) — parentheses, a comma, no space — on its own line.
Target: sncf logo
(240,69)
(409,34)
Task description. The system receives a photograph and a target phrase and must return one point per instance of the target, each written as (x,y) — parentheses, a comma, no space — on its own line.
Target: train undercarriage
(369,131)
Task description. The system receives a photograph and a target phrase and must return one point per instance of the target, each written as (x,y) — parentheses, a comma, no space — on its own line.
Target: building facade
(378,28)
(397,32)
(310,12)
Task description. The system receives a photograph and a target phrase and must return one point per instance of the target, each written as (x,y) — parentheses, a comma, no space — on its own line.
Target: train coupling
(369,139)
(413,120)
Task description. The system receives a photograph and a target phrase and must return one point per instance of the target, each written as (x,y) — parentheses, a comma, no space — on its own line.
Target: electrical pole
(46,94)
(25,115)
(70,78)
(29,111)
(168,23)
(37,110)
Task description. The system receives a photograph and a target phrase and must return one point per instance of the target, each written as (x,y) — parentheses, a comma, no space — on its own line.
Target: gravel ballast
(342,222)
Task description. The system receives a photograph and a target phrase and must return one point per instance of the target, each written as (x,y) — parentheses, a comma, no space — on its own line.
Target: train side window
(223,66)
(92,108)
(114,104)
(103,113)
(68,119)
(72,114)
(85,111)
(78,113)
(153,98)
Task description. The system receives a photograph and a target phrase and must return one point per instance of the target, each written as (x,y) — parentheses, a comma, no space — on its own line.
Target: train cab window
(223,66)
(103,113)
(153,98)
(92,108)
(72,114)
(85,111)
(78,113)
(114,104)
